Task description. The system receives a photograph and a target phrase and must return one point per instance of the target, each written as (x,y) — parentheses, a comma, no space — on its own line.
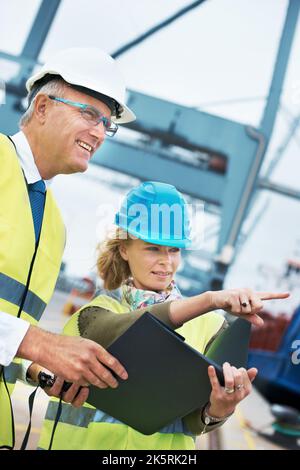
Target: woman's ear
(123,251)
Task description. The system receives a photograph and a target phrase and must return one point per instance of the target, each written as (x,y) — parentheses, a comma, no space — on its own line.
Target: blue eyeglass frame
(106,121)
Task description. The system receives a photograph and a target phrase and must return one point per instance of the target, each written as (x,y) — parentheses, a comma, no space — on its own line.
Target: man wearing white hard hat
(75,101)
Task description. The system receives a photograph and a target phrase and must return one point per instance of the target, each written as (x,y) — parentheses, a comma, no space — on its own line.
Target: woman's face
(152,266)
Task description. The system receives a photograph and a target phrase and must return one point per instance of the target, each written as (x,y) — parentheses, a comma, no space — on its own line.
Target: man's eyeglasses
(91,115)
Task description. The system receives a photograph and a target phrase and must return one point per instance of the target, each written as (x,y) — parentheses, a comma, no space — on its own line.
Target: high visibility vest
(90,429)
(26,272)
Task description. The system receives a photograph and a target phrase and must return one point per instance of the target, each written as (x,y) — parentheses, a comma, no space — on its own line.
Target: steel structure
(210,158)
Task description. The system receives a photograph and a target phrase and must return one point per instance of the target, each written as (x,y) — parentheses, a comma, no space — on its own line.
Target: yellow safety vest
(21,264)
(87,428)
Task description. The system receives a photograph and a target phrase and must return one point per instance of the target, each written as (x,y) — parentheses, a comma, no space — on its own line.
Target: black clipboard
(167,378)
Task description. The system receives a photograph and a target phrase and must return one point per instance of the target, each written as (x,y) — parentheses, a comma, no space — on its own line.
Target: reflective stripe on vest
(12,372)
(13,291)
(83,416)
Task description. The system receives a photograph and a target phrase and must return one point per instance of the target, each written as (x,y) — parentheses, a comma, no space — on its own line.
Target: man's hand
(76,359)
(75,395)
(72,396)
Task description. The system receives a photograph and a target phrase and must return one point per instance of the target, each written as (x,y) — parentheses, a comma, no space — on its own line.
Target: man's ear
(41,106)
(123,251)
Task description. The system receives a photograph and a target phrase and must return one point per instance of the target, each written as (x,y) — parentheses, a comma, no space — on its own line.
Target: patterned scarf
(138,298)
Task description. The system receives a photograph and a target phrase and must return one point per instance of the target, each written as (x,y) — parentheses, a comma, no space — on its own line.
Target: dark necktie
(37,193)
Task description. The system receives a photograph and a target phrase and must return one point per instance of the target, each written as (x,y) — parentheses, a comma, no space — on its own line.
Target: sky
(217,58)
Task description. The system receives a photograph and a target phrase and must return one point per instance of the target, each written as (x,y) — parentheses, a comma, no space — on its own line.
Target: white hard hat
(92,69)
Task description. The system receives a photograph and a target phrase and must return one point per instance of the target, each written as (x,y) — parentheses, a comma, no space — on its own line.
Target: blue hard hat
(156,213)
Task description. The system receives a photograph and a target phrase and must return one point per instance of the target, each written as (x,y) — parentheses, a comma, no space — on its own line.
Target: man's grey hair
(55,87)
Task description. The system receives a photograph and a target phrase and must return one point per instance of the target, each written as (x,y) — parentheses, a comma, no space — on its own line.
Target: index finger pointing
(273,295)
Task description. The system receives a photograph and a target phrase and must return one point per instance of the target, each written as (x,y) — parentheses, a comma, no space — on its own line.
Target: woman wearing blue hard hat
(142,259)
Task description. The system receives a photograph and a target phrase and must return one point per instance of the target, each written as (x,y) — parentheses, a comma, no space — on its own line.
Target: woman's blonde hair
(112,268)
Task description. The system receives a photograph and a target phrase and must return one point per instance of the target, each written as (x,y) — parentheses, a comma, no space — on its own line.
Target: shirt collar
(26,158)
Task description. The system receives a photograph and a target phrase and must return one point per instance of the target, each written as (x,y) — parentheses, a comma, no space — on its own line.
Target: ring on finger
(239,386)
(229,390)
